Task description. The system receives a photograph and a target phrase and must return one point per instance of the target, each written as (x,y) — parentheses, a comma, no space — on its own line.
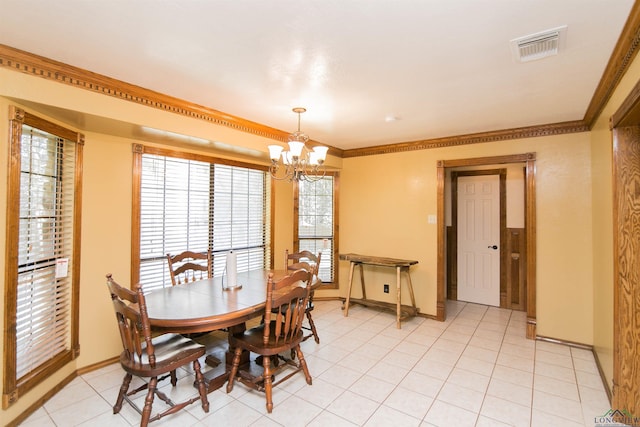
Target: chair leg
(268,381)
(303,364)
(123,390)
(313,328)
(174,378)
(148,402)
(202,389)
(234,368)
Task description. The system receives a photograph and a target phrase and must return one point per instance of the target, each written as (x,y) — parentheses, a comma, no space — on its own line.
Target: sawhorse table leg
(398,297)
(413,298)
(346,304)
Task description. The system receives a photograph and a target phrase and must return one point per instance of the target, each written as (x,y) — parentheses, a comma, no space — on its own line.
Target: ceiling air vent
(539,45)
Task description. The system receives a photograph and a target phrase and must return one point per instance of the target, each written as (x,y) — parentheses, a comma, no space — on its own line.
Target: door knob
(492,247)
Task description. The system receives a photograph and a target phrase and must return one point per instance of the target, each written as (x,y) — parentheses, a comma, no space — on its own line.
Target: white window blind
(43,311)
(240,217)
(316,222)
(195,205)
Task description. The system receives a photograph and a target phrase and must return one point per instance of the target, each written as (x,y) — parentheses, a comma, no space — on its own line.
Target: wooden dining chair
(304,256)
(190,266)
(281,332)
(147,357)
(310,261)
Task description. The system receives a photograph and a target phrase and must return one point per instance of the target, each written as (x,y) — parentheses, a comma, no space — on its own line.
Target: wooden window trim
(12,387)
(138,151)
(335,246)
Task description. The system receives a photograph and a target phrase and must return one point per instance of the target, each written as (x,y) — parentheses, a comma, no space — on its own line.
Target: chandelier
(298,163)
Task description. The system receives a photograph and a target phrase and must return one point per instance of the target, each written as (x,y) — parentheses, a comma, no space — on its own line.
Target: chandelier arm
(299,163)
(287,175)
(315,175)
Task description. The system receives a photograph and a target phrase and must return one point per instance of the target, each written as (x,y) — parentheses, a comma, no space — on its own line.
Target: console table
(401,265)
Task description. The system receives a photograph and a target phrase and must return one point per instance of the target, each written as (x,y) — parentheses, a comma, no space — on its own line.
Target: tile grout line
(494,365)
(438,335)
(454,365)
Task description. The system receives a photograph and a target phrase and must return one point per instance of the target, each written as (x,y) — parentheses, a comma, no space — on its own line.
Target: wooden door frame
(530,228)
(625,128)
(502,176)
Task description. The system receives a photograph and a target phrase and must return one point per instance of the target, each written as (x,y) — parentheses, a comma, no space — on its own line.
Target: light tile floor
(475,369)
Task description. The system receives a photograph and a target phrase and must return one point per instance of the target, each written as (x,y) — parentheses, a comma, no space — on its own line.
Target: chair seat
(171,352)
(253,340)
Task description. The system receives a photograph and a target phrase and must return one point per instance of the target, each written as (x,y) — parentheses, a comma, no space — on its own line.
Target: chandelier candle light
(299,162)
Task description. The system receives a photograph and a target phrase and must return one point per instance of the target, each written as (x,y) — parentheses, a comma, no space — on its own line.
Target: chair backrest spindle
(189,266)
(296,260)
(285,307)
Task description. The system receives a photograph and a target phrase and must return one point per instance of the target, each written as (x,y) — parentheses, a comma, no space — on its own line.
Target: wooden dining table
(205,306)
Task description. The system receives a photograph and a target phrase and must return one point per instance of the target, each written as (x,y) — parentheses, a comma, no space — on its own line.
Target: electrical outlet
(386,288)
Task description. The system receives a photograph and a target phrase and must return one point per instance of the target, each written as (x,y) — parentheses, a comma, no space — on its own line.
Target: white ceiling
(441,67)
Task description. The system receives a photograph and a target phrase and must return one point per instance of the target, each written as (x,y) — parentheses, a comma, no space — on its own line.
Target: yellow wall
(601,163)
(602,248)
(385,201)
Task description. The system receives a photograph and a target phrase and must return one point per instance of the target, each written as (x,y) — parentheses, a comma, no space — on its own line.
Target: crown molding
(49,69)
(38,66)
(621,58)
(473,138)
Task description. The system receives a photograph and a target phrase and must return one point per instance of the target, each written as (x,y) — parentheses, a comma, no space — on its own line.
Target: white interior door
(479,239)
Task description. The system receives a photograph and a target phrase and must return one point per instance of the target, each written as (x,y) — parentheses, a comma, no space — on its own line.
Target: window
(43,256)
(190,202)
(316,222)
